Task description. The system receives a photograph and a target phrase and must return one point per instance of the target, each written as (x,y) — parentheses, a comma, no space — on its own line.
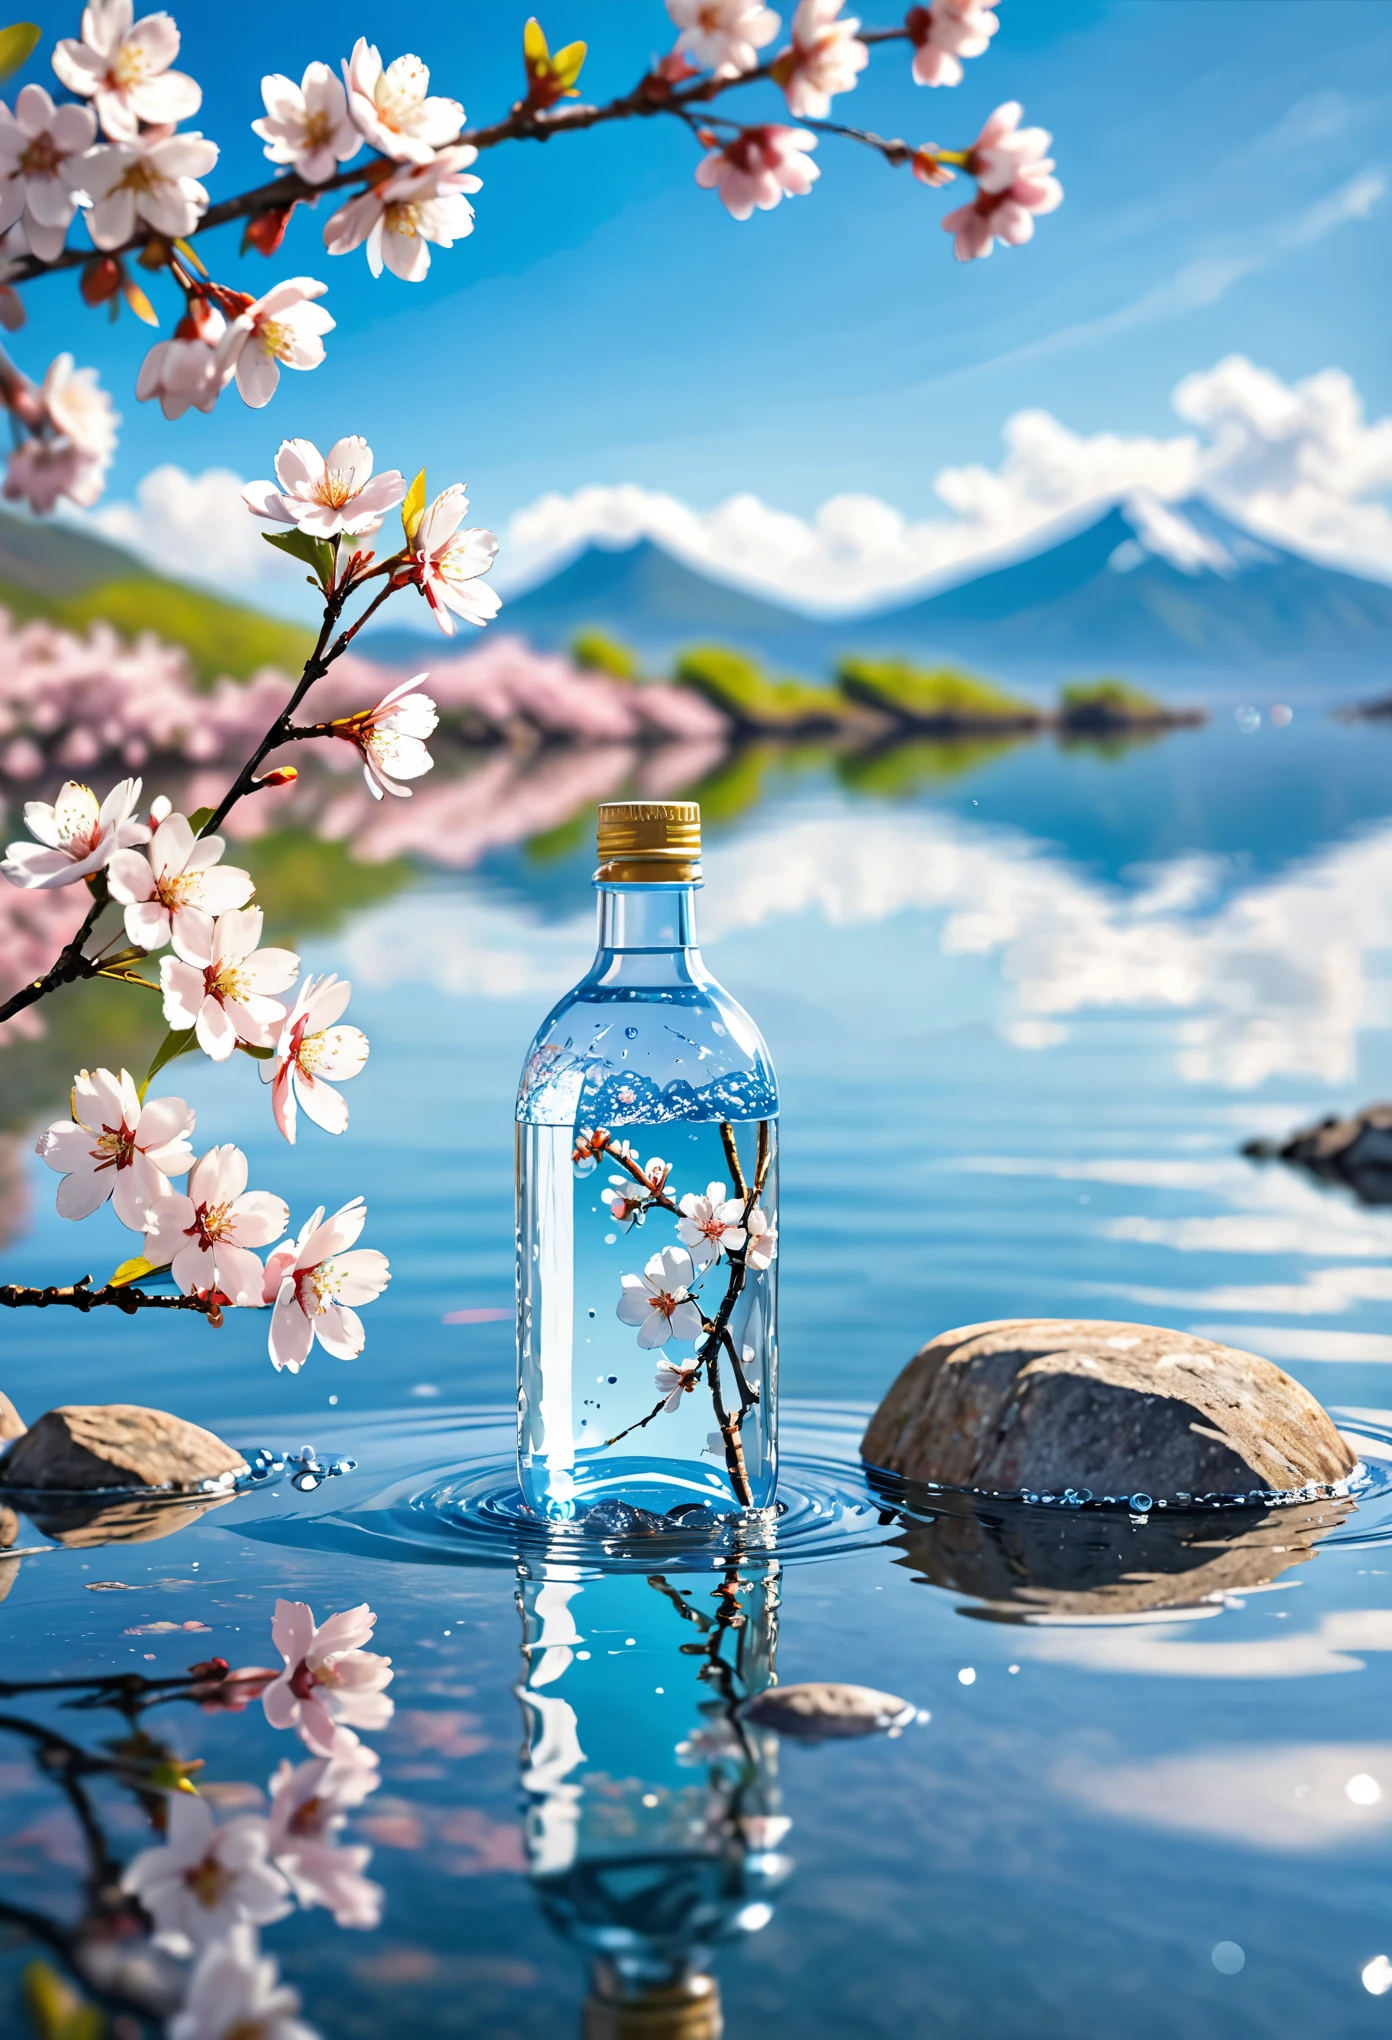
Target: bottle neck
(646,919)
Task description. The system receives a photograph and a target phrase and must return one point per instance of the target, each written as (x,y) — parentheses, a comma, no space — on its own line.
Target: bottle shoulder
(617,1052)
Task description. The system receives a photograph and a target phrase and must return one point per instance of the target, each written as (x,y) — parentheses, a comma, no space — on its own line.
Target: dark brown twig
(81,1296)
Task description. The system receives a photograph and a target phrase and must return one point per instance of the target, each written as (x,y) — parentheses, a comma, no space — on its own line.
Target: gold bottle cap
(650,842)
(684,2011)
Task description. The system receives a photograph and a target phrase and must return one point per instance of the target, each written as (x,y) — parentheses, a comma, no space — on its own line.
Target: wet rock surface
(116,1445)
(11,1422)
(822,1709)
(140,1520)
(1356,1151)
(1045,1405)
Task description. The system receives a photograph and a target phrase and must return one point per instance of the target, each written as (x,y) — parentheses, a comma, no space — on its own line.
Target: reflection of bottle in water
(653,1822)
(647,1211)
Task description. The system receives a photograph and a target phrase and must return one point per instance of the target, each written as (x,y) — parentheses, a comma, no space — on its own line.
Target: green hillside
(72,578)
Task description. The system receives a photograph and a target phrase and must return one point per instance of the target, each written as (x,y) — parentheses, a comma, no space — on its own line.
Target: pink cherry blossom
(723,35)
(758,167)
(74,837)
(309,1803)
(1014,182)
(674,1379)
(206,1237)
(40,145)
(447,562)
(392,108)
(80,408)
(125,69)
(313,1283)
(762,1249)
(233,1994)
(331,1686)
(150,181)
(179,872)
(402,214)
(285,327)
(307,125)
(218,981)
(945,33)
(659,1301)
(325,494)
(825,57)
(711,1225)
(203,1879)
(113,1146)
(40,471)
(184,372)
(391,737)
(310,1050)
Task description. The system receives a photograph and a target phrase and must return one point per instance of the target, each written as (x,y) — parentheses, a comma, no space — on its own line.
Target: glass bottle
(647,1211)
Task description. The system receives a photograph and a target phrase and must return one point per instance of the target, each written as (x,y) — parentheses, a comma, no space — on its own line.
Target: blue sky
(607,323)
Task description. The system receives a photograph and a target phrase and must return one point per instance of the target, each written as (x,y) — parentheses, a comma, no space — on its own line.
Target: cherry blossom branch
(81,1296)
(70,965)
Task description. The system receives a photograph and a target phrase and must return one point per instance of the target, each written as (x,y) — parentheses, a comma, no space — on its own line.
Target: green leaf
(199,819)
(174,1044)
(315,552)
(56,2012)
(250,1048)
(413,509)
(17,45)
(134,1270)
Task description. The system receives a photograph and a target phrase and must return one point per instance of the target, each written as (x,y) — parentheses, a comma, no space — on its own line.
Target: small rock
(140,1521)
(822,1710)
(1043,1404)
(11,1422)
(1356,1151)
(115,1445)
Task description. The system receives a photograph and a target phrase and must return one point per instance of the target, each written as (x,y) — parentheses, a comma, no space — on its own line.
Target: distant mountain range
(1145,583)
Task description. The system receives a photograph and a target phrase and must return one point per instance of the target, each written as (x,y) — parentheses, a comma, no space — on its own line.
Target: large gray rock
(1045,1404)
(1356,1151)
(824,1709)
(115,1445)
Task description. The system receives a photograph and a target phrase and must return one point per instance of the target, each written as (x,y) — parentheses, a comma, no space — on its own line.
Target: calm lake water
(1025,1006)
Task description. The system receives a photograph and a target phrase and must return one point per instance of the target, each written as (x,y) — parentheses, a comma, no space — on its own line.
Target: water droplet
(630,1033)
(1228,1958)
(612,1378)
(1363,1790)
(591,1313)
(1248,720)
(1141,1505)
(1377,1976)
(967,1676)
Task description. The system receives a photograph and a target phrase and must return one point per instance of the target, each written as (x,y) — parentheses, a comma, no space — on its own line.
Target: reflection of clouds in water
(466,946)
(1283,1342)
(1163,1652)
(1290,1796)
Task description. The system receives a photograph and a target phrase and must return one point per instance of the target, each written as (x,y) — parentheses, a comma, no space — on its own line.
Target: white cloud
(197,528)
(1288,1796)
(1339,1644)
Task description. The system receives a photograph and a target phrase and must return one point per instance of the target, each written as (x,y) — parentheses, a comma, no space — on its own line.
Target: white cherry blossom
(311,1049)
(80,408)
(945,33)
(233,1994)
(309,1803)
(204,1879)
(391,107)
(125,70)
(313,1283)
(283,327)
(40,145)
(325,494)
(113,1146)
(391,738)
(759,167)
(674,1378)
(448,562)
(401,215)
(74,837)
(206,1236)
(41,471)
(762,1249)
(331,1686)
(1015,181)
(184,372)
(179,871)
(711,1224)
(659,1301)
(724,35)
(152,180)
(307,125)
(219,981)
(824,58)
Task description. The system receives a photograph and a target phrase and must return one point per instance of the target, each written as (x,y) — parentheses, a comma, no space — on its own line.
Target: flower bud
(283,775)
(101,279)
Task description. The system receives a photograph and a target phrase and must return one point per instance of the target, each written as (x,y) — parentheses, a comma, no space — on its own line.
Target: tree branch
(81,1296)
(70,965)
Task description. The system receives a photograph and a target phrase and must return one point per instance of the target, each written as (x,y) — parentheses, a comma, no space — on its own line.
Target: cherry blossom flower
(391,737)
(309,1803)
(724,35)
(184,372)
(659,1302)
(307,125)
(929,167)
(283,326)
(674,1379)
(331,1686)
(113,1146)
(945,33)
(205,1238)
(152,180)
(80,408)
(203,1879)
(314,1281)
(762,1249)
(400,215)
(824,58)
(1014,182)
(74,836)
(590,1143)
(38,171)
(178,872)
(758,167)
(311,1049)
(629,1199)
(233,1995)
(391,107)
(447,562)
(325,494)
(40,471)
(711,1224)
(218,981)
(126,70)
